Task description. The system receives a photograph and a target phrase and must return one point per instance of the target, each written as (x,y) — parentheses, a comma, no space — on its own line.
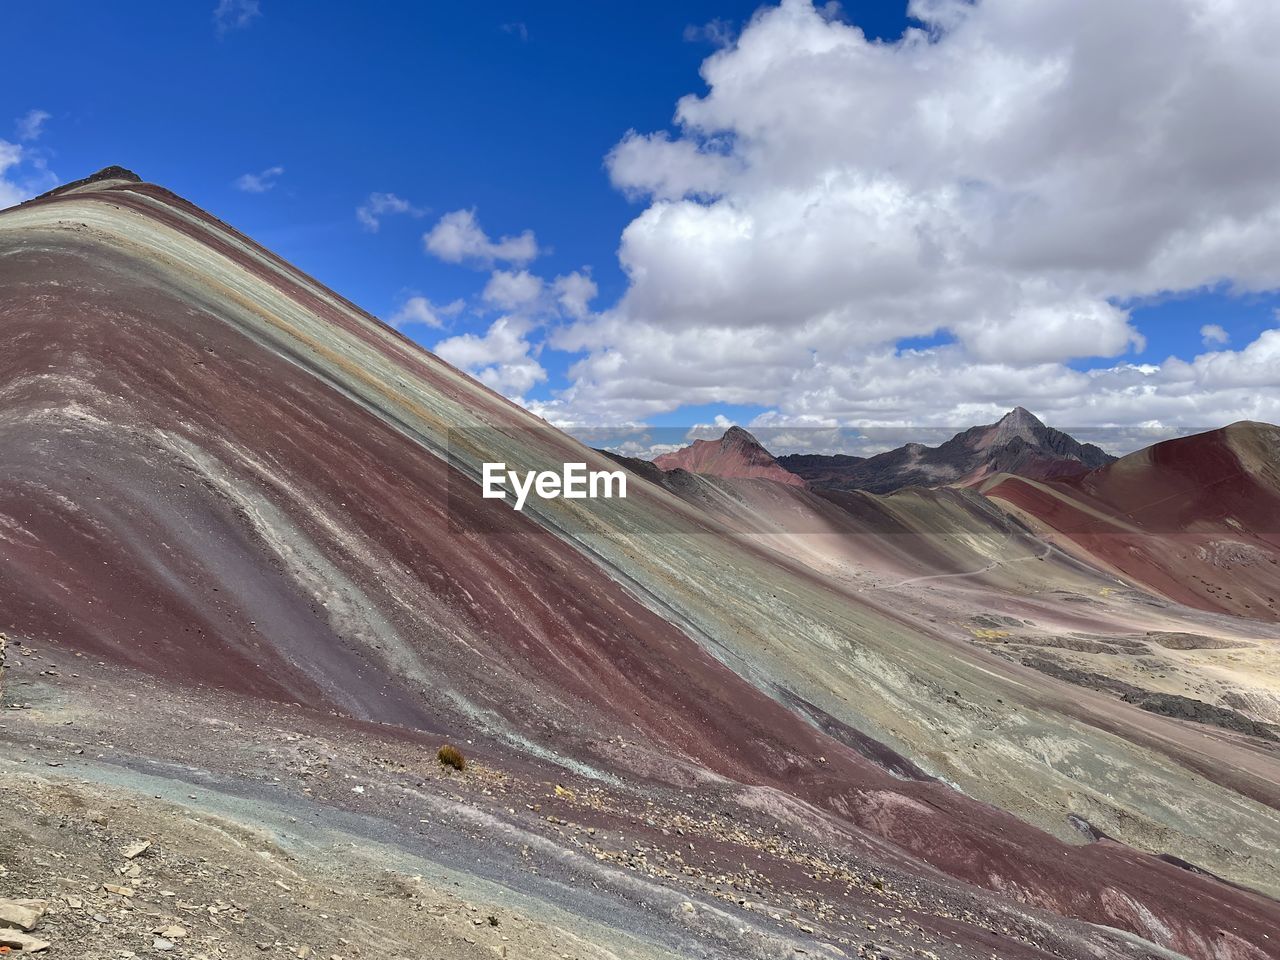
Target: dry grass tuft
(451,756)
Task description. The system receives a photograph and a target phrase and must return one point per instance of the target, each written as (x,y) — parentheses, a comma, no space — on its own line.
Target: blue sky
(447,105)
(510,110)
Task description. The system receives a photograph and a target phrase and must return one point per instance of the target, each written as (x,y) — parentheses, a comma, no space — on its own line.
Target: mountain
(250,587)
(1196,519)
(1018,443)
(736,455)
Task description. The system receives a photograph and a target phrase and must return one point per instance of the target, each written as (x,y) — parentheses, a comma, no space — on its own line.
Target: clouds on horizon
(1004,181)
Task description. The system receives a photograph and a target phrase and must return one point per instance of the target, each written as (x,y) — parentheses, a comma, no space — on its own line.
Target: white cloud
(632,372)
(458,238)
(1213,334)
(235,14)
(1002,180)
(21,175)
(512,290)
(574,292)
(421,310)
(667,169)
(31,124)
(1055,328)
(502,359)
(710,431)
(379,205)
(259,182)
(517,29)
(634,448)
(10,192)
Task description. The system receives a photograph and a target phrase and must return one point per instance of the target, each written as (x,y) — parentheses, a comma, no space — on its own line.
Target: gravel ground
(275,831)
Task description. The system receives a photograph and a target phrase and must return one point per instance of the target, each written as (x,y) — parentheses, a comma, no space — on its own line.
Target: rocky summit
(736,455)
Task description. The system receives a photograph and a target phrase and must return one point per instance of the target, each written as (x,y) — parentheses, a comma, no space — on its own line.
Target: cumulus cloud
(512,290)
(520,291)
(421,310)
(1002,181)
(31,124)
(1213,334)
(379,205)
(503,358)
(458,238)
(231,15)
(259,182)
(667,169)
(574,292)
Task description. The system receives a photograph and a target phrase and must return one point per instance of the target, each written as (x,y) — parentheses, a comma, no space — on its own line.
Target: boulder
(21,914)
(136,850)
(16,940)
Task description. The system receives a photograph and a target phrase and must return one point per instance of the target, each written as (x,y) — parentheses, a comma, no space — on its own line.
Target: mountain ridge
(1196,518)
(1018,443)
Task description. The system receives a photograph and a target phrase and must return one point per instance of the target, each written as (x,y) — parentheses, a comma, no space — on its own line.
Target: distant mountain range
(1194,519)
(1018,443)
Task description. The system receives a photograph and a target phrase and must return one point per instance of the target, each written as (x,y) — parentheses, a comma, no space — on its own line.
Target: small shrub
(451,756)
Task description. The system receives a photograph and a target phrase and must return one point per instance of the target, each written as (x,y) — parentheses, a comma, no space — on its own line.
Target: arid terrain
(248,587)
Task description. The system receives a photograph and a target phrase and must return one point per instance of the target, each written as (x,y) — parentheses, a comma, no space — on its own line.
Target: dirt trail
(994,564)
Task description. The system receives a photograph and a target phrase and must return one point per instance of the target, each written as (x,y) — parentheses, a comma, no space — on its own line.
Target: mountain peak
(113,172)
(109,173)
(736,436)
(1021,415)
(1018,424)
(736,455)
